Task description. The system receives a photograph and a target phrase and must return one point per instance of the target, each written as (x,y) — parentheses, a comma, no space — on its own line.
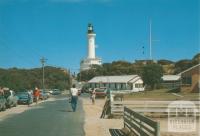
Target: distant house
(191,79)
(132,83)
(145,62)
(171,81)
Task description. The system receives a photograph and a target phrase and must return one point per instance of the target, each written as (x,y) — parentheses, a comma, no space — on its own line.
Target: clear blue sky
(56,29)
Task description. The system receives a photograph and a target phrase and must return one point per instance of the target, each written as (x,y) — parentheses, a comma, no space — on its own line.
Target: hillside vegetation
(127,68)
(20,79)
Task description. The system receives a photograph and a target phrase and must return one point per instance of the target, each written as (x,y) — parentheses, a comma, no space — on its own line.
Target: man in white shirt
(74,97)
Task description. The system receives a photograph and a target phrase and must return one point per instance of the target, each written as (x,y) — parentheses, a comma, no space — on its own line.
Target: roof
(189,69)
(171,77)
(115,79)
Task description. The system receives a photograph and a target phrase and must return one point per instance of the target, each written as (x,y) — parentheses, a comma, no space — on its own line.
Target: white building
(171,81)
(91,57)
(131,83)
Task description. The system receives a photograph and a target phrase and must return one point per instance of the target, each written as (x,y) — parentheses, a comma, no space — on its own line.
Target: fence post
(158,129)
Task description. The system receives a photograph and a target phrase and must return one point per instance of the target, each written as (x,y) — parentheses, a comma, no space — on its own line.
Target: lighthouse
(91,42)
(91,58)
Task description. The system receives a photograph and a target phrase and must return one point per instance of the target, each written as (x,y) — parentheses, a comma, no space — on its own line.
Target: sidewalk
(94,125)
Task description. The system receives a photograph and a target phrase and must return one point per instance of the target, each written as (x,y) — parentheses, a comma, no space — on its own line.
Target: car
(56,92)
(43,95)
(48,93)
(24,98)
(11,98)
(100,92)
(2,103)
(79,91)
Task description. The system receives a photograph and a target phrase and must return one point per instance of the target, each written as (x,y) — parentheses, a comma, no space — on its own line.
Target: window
(138,85)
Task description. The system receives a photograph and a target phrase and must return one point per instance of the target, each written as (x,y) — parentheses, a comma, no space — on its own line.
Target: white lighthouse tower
(91,57)
(91,42)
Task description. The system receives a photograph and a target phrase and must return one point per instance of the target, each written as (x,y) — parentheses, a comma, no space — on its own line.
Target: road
(51,118)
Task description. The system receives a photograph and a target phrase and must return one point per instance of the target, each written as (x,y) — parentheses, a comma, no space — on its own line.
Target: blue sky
(56,29)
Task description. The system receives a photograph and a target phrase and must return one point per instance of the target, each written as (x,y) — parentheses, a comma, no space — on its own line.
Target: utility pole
(43,61)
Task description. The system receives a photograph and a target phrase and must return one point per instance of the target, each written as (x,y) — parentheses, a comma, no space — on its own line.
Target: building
(191,79)
(131,83)
(91,57)
(171,81)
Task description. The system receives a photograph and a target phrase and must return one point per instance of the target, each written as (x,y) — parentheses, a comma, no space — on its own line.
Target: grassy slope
(161,94)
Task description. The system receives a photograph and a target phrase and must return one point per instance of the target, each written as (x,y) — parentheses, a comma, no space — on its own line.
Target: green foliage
(196,59)
(127,68)
(182,65)
(114,68)
(165,62)
(151,75)
(20,79)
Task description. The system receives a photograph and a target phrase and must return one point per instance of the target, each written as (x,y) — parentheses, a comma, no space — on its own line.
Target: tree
(182,65)
(22,79)
(151,75)
(196,59)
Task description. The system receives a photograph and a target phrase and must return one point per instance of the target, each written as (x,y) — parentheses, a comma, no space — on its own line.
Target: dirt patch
(94,125)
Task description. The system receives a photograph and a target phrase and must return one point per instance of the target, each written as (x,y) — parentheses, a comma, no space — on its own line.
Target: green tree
(151,75)
(21,79)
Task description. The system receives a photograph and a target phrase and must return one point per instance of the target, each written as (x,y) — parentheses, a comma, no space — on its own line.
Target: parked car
(11,98)
(100,92)
(43,95)
(56,92)
(48,93)
(24,98)
(2,103)
(79,91)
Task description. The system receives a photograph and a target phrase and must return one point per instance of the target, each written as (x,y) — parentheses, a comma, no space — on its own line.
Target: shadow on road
(65,110)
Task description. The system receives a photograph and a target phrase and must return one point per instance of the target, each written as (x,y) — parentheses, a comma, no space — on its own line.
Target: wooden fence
(140,125)
(159,108)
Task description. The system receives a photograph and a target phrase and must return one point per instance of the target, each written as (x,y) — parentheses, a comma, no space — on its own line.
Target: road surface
(52,118)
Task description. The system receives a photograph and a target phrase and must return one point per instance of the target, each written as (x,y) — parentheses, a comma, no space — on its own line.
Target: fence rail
(140,125)
(158,107)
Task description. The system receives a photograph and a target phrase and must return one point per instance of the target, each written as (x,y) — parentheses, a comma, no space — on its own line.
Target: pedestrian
(36,94)
(29,101)
(93,96)
(1,91)
(74,97)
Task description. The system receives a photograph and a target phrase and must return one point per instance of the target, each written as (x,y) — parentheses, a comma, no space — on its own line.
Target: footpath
(94,125)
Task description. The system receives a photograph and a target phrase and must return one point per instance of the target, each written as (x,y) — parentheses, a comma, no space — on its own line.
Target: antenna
(150,40)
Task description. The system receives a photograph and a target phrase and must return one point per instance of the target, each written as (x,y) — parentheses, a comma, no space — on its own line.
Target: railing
(106,109)
(140,125)
(151,108)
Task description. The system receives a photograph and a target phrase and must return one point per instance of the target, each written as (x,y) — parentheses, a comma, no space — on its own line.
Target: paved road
(53,118)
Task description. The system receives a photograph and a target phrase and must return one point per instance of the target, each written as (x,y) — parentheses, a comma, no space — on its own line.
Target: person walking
(1,91)
(93,96)
(74,97)
(36,94)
